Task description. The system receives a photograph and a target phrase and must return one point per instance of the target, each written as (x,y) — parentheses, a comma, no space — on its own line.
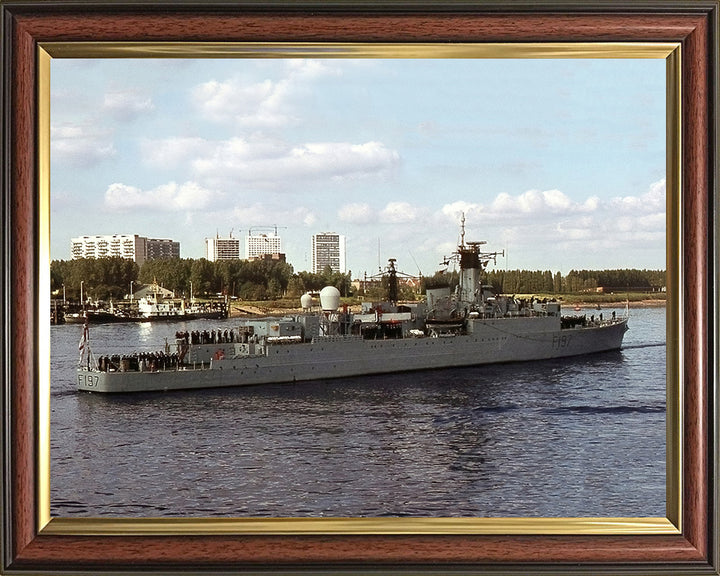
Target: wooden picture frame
(688,543)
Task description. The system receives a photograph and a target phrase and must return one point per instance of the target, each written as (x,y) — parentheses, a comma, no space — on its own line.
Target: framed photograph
(680,35)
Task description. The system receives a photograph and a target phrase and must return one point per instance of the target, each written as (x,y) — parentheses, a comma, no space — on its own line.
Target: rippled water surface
(572,437)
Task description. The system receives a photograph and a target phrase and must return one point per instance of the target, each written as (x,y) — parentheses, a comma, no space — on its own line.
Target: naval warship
(468,326)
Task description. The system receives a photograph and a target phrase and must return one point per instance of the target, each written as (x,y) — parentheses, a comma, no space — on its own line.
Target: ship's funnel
(329,299)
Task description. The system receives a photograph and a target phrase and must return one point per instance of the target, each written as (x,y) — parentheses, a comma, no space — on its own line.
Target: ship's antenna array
(393,276)
(481,258)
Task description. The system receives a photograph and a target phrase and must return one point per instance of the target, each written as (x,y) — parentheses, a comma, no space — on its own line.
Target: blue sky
(559,162)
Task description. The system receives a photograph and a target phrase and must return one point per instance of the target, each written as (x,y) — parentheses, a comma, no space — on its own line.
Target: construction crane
(217,232)
(274,228)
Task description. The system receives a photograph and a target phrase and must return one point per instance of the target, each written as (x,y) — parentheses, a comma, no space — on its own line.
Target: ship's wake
(649,345)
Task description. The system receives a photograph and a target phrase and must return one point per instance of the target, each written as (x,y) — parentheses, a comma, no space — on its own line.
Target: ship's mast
(392,281)
(472,263)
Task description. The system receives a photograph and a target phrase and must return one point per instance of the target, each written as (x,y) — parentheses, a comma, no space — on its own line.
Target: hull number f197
(88,380)
(561,341)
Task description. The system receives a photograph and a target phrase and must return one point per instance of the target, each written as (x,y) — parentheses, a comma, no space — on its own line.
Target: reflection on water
(145,332)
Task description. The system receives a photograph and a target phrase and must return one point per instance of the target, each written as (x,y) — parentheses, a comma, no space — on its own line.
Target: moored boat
(151,310)
(155,306)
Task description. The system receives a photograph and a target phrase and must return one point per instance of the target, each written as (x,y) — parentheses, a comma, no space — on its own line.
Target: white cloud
(341,159)
(455,209)
(355,213)
(308,217)
(249,105)
(170,197)
(171,152)
(656,221)
(534,202)
(652,201)
(580,229)
(127,104)
(310,69)
(400,213)
(240,162)
(78,145)
(263,213)
(552,219)
(269,103)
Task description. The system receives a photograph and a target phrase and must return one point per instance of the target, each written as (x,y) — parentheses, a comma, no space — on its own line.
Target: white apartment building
(328,249)
(222,249)
(131,246)
(261,244)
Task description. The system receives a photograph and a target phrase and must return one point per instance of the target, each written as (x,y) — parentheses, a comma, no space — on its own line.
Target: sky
(558,164)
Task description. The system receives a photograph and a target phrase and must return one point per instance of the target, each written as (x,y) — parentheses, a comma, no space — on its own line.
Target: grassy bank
(591,298)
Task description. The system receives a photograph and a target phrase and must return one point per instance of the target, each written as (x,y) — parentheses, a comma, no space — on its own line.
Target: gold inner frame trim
(386,526)
(357,50)
(289,526)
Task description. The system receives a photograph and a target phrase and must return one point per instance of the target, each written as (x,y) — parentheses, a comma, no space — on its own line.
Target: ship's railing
(593,320)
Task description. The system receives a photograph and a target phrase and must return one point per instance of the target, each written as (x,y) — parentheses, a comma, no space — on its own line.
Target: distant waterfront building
(161,249)
(131,246)
(222,248)
(328,249)
(260,244)
(276,257)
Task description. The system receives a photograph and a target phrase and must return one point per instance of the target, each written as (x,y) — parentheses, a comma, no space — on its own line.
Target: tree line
(547,282)
(110,278)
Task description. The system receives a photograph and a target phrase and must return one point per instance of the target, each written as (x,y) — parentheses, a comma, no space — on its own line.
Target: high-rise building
(161,248)
(260,244)
(328,249)
(131,246)
(222,248)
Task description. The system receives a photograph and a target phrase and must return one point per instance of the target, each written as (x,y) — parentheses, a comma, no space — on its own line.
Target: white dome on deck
(306,301)
(330,298)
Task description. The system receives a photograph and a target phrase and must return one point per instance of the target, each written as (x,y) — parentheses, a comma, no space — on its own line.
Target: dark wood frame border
(693,23)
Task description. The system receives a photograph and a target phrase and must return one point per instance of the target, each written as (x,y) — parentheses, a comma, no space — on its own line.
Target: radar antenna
(469,254)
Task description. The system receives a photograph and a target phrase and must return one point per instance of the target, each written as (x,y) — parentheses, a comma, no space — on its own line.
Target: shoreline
(249,310)
(619,304)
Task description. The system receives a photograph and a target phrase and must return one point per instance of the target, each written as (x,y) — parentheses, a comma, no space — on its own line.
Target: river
(573,437)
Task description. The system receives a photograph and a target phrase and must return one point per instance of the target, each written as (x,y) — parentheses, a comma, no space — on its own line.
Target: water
(573,437)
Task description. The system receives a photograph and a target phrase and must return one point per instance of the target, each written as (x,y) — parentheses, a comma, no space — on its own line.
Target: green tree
(101,278)
(202,276)
(296,287)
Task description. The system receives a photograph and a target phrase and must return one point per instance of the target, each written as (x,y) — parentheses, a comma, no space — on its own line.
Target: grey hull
(487,342)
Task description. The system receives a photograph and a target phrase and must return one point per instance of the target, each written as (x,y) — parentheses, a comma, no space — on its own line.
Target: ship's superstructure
(471,325)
